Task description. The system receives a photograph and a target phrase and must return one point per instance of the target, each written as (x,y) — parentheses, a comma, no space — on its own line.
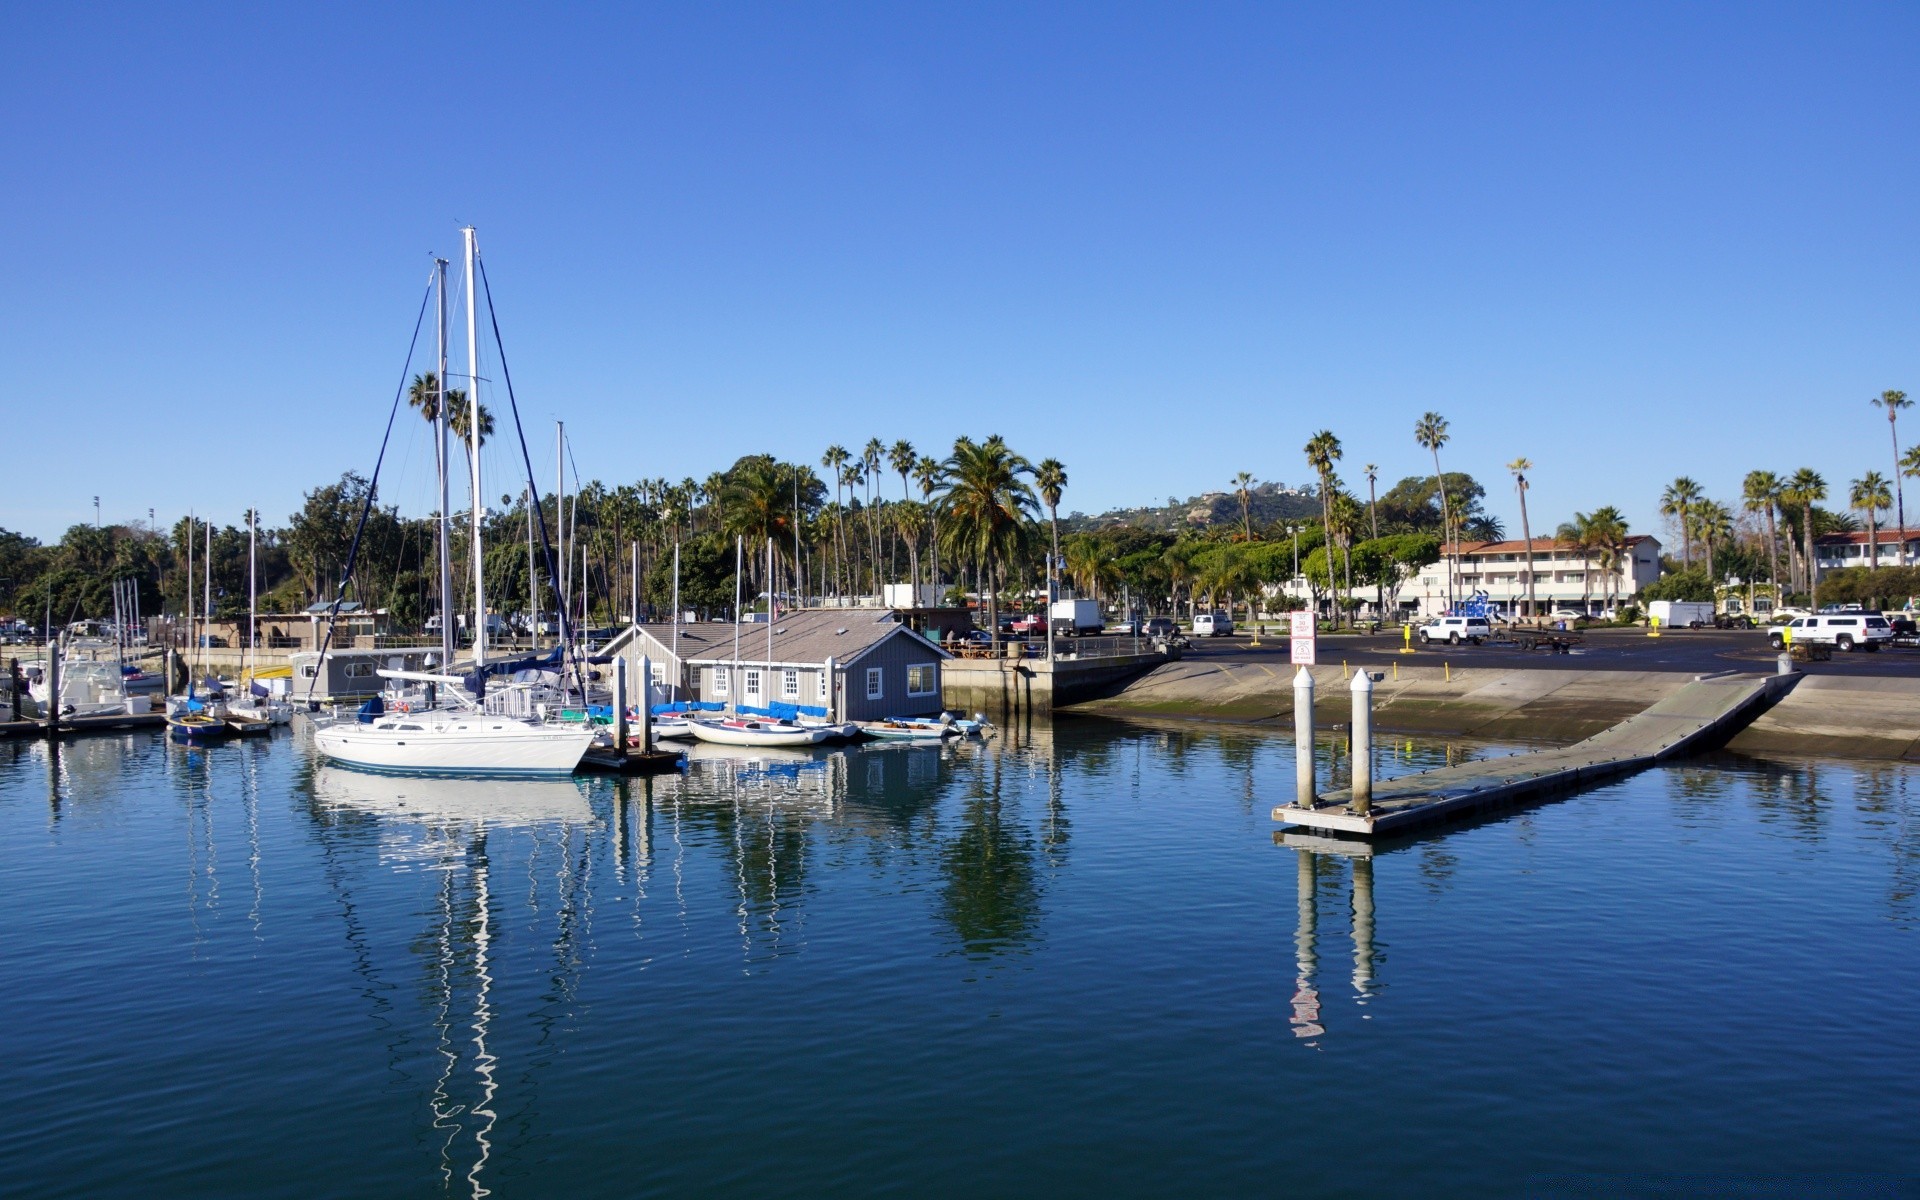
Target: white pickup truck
(1842,631)
(1454,630)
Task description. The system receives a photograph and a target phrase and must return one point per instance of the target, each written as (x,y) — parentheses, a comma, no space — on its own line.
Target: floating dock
(1707,711)
(110,723)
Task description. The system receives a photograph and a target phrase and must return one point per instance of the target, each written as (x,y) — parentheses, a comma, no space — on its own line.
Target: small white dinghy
(735,731)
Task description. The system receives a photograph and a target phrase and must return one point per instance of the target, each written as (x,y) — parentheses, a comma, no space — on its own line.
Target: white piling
(1362,691)
(1304,794)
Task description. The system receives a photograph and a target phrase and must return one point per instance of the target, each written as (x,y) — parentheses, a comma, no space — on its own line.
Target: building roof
(807,636)
(1541,545)
(1858,537)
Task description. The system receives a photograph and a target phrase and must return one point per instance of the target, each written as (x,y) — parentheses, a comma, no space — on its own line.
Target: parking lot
(1692,651)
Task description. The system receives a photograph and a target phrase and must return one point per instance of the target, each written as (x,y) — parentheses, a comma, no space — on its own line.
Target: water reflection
(1326,869)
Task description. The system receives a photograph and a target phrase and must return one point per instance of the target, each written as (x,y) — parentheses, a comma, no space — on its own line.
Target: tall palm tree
(901,458)
(1678,501)
(1323,450)
(1373,517)
(986,508)
(1241,483)
(1805,489)
(1520,467)
(871,459)
(835,461)
(1761,493)
(1870,494)
(926,472)
(1430,431)
(1893,402)
(1608,532)
(1051,478)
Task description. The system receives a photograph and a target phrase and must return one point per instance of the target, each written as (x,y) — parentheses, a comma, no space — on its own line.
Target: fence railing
(1072,649)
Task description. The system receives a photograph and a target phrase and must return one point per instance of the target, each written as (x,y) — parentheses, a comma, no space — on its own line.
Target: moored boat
(734,731)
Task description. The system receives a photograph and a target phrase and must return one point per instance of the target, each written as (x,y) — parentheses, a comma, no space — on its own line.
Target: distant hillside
(1268,502)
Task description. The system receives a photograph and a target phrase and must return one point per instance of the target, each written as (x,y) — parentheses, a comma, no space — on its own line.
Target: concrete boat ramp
(1703,713)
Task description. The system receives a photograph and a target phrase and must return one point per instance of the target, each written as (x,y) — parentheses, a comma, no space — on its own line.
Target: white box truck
(1681,614)
(1071,618)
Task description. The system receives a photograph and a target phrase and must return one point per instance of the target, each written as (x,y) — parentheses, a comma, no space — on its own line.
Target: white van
(1213,624)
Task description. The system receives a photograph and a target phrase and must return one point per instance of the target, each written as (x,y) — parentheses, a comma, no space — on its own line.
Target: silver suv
(1842,631)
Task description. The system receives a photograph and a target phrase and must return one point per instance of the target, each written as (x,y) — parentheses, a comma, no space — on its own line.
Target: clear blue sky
(1163,244)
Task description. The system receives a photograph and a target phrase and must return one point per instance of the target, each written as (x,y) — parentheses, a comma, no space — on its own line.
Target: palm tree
(926,472)
(1803,491)
(871,459)
(835,461)
(1051,478)
(1373,519)
(1240,484)
(1893,402)
(1431,432)
(987,508)
(1677,501)
(901,458)
(1714,524)
(1323,450)
(1761,492)
(1870,495)
(1583,533)
(1520,467)
(1606,534)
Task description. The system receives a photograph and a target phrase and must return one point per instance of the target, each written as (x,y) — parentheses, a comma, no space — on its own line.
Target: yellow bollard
(1653,626)
(1406,639)
(1343,668)
(1396,672)
(1449,670)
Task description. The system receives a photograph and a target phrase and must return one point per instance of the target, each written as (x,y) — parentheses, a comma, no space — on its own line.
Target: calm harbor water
(1075,962)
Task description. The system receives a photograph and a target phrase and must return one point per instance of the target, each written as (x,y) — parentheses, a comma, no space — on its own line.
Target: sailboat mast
(440,449)
(562,596)
(738,544)
(193,530)
(253,585)
(206,581)
(676,607)
(473,437)
(769,684)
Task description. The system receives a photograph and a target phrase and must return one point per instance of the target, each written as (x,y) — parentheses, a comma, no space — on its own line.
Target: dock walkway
(1711,708)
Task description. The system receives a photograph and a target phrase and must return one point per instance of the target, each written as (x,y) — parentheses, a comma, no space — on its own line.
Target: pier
(1707,711)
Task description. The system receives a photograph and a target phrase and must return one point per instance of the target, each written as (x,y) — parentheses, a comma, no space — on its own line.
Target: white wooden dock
(1709,710)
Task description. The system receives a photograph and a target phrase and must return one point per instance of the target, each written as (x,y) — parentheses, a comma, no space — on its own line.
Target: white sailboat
(465,738)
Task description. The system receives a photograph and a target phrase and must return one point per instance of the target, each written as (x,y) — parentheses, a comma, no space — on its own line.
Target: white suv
(1842,631)
(1454,630)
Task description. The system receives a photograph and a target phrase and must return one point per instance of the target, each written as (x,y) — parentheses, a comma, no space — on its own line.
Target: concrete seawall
(1858,717)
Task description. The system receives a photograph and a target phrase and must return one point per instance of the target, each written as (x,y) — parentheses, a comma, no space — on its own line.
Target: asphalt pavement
(1683,651)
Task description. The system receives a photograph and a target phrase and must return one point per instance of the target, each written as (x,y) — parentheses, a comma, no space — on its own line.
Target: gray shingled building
(880,668)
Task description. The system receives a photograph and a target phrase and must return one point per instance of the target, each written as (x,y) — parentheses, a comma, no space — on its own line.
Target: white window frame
(789,683)
(720,681)
(359,670)
(876,683)
(826,685)
(932,672)
(752,689)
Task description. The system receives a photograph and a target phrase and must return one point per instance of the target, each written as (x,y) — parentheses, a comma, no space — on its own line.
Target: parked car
(1454,630)
(1213,624)
(1028,625)
(1842,631)
(1159,627)
(1568,614)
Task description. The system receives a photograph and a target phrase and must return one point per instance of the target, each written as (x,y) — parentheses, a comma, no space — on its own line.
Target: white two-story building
(1564,576)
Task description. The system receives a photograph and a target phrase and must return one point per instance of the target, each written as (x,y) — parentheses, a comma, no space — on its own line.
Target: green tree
(1894,403)
(1431,433)
(1870,495)
(986,511)
(1520,467)
(1760,492)
(1677,502)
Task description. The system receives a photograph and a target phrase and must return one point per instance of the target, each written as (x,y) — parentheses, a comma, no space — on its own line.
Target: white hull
(755,733)
(475,801)
(462,744)
(672,730)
